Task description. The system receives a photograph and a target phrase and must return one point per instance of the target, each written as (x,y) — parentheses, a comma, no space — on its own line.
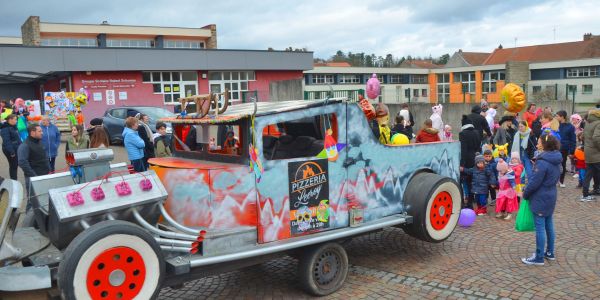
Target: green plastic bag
(524,221)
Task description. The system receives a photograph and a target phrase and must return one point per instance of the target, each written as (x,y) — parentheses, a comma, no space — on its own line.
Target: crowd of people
(35,152)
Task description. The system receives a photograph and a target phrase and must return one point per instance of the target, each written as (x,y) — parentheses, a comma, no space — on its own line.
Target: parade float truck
(259,181)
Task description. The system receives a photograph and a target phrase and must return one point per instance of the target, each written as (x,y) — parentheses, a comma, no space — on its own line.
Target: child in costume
(436,120)
(501,151)
(506,200)
(448,133)
(517,167)
(483,178)
(580,165)
(490,164)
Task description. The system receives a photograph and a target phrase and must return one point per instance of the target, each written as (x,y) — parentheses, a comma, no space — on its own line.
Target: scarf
(519,136)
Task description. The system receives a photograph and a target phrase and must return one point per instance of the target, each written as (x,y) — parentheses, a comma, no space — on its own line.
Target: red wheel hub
(441,210)
(116,273)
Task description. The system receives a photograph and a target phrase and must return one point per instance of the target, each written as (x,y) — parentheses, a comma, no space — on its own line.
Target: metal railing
(350,94)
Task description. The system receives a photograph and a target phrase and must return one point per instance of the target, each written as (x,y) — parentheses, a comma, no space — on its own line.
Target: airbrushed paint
(366,173)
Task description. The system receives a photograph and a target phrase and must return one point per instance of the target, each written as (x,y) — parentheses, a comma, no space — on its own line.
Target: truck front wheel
(434,203)
(111,260)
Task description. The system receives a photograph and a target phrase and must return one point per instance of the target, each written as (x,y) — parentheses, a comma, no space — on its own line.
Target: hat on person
(479,158)
(465,120)
(506,118)
(515,155)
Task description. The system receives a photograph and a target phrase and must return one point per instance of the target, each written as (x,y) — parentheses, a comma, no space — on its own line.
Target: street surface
(480,262)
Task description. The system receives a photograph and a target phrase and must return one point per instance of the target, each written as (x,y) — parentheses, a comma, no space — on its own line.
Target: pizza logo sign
(309,194)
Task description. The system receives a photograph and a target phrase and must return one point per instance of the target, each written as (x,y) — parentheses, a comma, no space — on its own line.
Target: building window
(468,81)
(407,93)
(536,89)
(69,42)
(582,72)
(322,79)
(349,78)
(416,93)
(418,78)
(183,44)
(489,80)
(236,82)
(423,92)
(587,89)
(443,87)
(571,89)
(172,85)
(398,78)
(130,43)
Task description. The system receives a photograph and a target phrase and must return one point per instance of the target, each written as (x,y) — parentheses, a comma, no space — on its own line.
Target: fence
(350,94)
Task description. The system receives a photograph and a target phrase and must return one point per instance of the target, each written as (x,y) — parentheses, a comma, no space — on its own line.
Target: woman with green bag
(524,220)
(541,192)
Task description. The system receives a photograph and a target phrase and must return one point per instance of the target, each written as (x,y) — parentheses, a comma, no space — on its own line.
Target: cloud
(417,28)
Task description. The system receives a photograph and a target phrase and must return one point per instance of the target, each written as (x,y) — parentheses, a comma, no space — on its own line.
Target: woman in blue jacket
(50,140)
(10,143)
(134,144)
(541,192)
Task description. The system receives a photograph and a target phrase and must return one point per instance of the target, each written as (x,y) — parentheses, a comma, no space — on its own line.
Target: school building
(141,65)
(561,71)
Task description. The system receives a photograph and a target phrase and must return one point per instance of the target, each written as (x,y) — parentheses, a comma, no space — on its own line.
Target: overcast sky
(417,28)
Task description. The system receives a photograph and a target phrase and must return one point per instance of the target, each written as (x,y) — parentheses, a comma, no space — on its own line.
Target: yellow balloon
(400,139)
(513,98)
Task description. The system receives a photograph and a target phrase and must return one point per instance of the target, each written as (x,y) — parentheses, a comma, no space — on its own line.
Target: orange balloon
(513,98)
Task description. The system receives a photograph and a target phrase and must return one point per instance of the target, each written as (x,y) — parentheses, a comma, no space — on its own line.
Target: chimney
(500,46)
(459,50)
(587,36)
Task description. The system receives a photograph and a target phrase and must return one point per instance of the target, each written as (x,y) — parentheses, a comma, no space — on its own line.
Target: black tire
(434,202)
(137,263)
(323,269)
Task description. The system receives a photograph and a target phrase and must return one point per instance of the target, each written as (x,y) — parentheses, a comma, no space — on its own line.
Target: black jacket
(33,158)
(148,144)
(479,122)
(10,138)
(470,143)
(406,130)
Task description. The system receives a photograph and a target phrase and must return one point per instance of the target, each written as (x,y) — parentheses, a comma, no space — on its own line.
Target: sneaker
(508,216)
(595,192)
(576,176)
(549,256)
(533,261)
(587,198)
(562,185)
(499,215)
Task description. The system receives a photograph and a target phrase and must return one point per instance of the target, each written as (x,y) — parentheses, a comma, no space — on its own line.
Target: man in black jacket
(33,159)
(470,144)
(479,122)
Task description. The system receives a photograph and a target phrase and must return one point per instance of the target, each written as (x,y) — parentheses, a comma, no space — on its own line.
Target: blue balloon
(467,217)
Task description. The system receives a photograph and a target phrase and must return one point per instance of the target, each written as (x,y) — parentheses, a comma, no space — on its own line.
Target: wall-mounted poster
(122,95)
(58,104)
(309,196)
(97,96)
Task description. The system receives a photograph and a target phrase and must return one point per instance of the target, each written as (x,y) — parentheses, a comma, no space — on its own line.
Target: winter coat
(469,145)
(84,143)
(399,128)
(541,186)
(133,143)
(162,146)
(531,146)
(32,158)
(50,139)
(568,140)
(591,134)
(146,135)
(10,138)
(529,117)
(482,179)
(504,136)
(536,128)
(428,135)
(479,122)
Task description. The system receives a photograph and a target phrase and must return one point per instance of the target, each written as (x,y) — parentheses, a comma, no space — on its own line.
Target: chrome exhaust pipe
(178,226)
(175,249)
(172,242)
(162,233)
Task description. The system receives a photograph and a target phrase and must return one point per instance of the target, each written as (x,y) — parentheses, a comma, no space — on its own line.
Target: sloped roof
(550,52)
(475,58)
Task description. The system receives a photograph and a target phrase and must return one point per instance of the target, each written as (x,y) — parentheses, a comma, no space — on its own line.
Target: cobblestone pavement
(480,262)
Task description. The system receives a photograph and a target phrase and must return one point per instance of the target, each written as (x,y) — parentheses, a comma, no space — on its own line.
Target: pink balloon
(373,87)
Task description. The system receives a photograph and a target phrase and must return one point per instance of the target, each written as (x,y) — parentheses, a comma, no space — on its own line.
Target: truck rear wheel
(434,203)
(111,260)
(323,268)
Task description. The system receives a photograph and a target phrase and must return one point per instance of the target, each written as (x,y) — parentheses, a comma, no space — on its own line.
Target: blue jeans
(544,233)
(138,165)
(481,199)
(526,164)
(581,176)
